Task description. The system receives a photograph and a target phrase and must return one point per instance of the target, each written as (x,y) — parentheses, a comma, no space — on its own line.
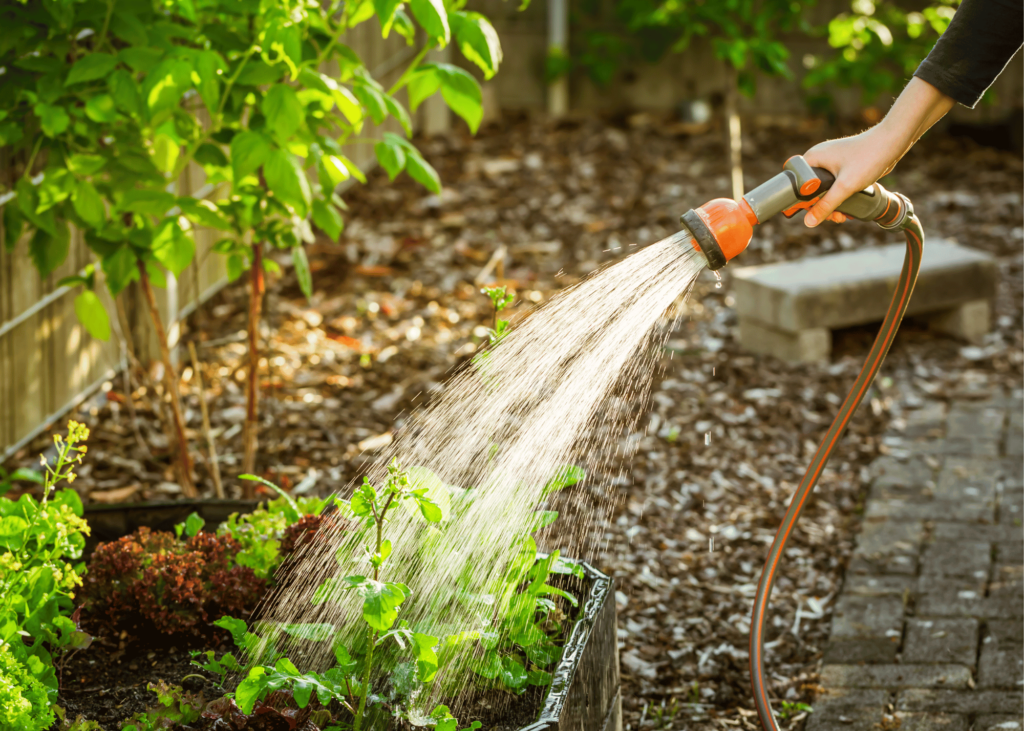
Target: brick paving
(928,631)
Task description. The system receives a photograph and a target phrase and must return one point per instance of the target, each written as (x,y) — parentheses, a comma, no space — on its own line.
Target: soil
(397,306)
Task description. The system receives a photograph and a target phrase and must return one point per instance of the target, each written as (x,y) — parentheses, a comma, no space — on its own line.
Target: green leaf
(249,690)
(12,532)
(566,476)
(125,92)
(140,60)
(347,103)
(204,213)
(391,157)
(91,67)
(209,64)
(287,181)
(423,84)
(433,17)
(14,222)
(48,251)
(56,186)
(302,273)
(83,164)
(147,202)
(385,10)
(291,508)
(53,119)
(258,72)
(193,524)
(512,673)
(172,246)
(129,28)
(92,314)
(462,94)
(380,603)
(477,40)
(403,24)
(332,173)
(165,86)
(373,100)
(327,219)
(101,108)
(421,171)
(353,169)
(426,658)
(283,110)
(396,110)
(119,270)
(165,153)
(249,150)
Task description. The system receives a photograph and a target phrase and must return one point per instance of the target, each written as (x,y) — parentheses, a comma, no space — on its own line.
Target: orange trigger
(801,206)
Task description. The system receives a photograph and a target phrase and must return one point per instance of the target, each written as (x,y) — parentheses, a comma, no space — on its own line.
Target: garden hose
(721,229)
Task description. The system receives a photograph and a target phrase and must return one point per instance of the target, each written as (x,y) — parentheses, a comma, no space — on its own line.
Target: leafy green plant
(22,474)
(744,35)
(105,103)
(878,46)
(790,709)
(176,707)
(37,582)
(23,698)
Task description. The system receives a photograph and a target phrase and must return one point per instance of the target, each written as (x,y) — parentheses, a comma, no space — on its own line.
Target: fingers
(837,217)
(823,209)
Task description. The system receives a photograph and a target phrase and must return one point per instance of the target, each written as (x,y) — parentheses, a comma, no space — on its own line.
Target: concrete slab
(784,308)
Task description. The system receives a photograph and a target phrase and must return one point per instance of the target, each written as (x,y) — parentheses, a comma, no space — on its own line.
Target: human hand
(857,162)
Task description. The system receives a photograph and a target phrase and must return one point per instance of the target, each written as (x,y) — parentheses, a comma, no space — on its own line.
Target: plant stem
(218,486)
(404,78)
(371,637)
(252,384)
(171,383)
(106,24)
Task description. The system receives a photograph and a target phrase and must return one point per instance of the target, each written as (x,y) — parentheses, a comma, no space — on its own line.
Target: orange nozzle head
(728,226)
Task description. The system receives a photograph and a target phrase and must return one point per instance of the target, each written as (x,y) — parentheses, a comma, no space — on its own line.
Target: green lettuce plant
(38,539)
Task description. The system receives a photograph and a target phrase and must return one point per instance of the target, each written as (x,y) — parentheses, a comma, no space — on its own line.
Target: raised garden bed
(109,683)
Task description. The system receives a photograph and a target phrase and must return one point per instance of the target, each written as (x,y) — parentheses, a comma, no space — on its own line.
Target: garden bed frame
(585,693)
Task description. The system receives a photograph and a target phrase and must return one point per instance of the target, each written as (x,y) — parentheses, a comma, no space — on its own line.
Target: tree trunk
(732,121)
(171,384)
(252,386)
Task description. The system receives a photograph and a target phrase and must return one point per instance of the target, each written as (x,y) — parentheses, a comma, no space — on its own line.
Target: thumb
(824,207)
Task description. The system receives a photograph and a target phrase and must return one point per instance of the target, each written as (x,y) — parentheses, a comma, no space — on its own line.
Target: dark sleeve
(979,42)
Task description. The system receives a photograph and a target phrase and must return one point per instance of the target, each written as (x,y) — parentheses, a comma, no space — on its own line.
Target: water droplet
(711,544)
(713,371)
(707,439)
(718,284)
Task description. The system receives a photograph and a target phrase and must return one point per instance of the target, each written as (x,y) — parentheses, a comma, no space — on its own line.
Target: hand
(859,161)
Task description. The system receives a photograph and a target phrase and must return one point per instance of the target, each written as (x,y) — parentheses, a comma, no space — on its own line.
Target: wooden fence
(48,362)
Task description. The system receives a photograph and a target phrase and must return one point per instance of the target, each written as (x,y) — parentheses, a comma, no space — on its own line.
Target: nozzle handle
(874,203)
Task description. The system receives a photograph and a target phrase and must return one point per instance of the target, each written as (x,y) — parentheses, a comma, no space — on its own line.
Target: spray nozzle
(722,228)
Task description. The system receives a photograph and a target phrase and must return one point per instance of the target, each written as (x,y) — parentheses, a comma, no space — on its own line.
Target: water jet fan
(721,230)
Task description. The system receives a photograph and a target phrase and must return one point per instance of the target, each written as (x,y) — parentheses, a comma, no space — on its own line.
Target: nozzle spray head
(720,229)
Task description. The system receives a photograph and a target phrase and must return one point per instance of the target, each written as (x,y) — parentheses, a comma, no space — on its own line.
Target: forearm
(917,108)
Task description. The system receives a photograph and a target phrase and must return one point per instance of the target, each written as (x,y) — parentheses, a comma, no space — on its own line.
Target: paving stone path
(927,631)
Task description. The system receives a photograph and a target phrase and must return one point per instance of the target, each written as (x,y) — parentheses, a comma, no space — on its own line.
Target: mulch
(727,434)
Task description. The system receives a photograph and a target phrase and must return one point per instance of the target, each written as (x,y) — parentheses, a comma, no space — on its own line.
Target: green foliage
(23,698)
(37,540)
(744,34)
(113,99)
(177,707)
(878,46)
(7,479)
(270,532)
(790,709)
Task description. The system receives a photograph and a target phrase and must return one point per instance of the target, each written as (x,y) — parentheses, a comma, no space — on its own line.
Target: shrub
(174,585)
(23,700)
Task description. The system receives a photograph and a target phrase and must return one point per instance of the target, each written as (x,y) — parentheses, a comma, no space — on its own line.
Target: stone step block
(931,722)
(894,677)
(998,722)
(1001,664)
(857,617)
(788,309)
(959,701)
(971,559)
(953,601)
(849,709)
(941,641)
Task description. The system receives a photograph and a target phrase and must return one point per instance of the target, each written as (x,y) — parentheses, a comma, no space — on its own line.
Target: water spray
(721,229)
